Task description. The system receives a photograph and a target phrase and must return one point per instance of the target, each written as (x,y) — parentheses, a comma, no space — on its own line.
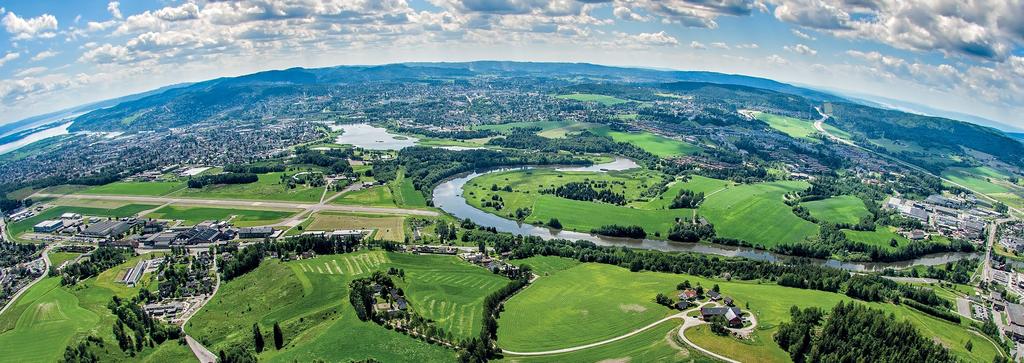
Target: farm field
(653,345)
(239,217)
(756,213)
(881,237)
(269,187)
(654,144)
(981,179)
(391,228)
(695,183)
(841,209)
(596,98)
(794,127)
(135,188)
(375,196)
(407,195)
(546,265)
(49,317)
(309,299)
(573,214)
(584,304)
(127,210)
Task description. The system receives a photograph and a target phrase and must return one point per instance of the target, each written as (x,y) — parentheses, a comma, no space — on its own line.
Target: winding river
(448,197)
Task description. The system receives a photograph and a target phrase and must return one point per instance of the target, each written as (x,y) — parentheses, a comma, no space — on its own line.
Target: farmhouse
(48,226)
(106,229)
(733,316)
(688,294)
(714,295)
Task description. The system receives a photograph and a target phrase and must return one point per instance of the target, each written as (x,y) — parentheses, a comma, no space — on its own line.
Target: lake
(372,137)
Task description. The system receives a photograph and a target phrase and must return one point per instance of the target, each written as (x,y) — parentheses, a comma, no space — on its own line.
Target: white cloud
(747,46)
(31,71)
(697,45)
(9,57)
(659,38)
(720,45)
(38,27)
(44,54)
(776,59)
(801,49)
(114,7)
(803,35)
(691,13)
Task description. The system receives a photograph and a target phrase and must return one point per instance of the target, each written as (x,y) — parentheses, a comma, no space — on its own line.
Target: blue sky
(946,54)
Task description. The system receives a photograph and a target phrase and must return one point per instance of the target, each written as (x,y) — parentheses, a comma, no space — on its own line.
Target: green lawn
(881,237)
(49,317)
(241,217)
(756,213)
(592,302)
(135,188)
(269,187)
(842,209)
(573,214)
(546,265)
(309,298)
(653,345)
(794,127)
(57,258)
(695,183)
(25,225)
(408,196)
(596,98)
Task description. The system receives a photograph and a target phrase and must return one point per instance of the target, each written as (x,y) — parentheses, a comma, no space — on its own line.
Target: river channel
(448,197)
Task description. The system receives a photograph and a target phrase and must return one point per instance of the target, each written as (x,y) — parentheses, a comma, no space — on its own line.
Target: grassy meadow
(590,302)
(842,209)
(595,98)
(375,196)
(239,217)
(136,188)
(268,187)
(757,213)
(309,298)
(390,228)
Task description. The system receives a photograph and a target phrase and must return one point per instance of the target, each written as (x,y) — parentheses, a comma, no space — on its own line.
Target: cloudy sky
(965,56)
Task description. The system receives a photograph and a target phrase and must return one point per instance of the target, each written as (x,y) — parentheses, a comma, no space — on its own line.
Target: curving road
(46,271)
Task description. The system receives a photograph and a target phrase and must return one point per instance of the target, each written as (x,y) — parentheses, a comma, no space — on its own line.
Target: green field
(128,210)
(593,302)
(238,217)
(756,213)
(797,128)
(49,317)
(657,344)
(842,209)
(573,214)
(654,144)
(390,228)
(596,98)
(57,258)
(135,188)
(309,299)
(375,196)
(881,237)
(695,183)
(981,179)
(507,127)
(407,195)
(269,187)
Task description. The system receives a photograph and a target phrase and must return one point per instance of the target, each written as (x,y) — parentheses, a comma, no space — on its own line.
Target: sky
(955,55)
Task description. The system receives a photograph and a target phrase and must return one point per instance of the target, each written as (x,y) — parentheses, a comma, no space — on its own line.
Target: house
(682,305)
(106,229)
(401,303)
(916,235)
(732,315)
(162,309)
(688,294)
(255,232)
(48,226)
(714,295)
(728,301)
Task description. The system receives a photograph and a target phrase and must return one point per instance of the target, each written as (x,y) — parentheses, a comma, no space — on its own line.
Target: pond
(372,137)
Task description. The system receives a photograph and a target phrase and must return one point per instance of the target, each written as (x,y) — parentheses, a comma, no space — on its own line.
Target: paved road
(912,280)
(247,203)
(204,355)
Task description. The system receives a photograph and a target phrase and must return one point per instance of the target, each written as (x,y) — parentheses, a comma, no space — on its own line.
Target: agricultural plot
(653,345)
(375,196)
(391,228)
(695,183)
(135,188)
(756,213)
(981,179)
(573,214)
(309,298)
(239,217)
(882,237)
(654,144)
(270,186)
(794,127)
(49,317)
(595,98)
(546,265)
(842,209)
(585,304)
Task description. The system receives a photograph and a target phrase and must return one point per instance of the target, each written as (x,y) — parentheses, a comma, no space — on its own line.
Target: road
(202,354)
(306,207)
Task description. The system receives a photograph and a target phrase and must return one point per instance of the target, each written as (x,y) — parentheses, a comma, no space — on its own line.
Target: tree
(482,245)
(662,299)
(700,290)
(969,346)
(683,285)
(257,337)
(715,288)
(278,336)
(554,223)
(1000,208)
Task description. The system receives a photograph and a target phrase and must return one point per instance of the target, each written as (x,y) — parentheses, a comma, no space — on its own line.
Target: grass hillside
(592,302)
(309,298)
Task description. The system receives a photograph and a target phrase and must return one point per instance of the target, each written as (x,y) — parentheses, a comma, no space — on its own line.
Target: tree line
(222,178)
